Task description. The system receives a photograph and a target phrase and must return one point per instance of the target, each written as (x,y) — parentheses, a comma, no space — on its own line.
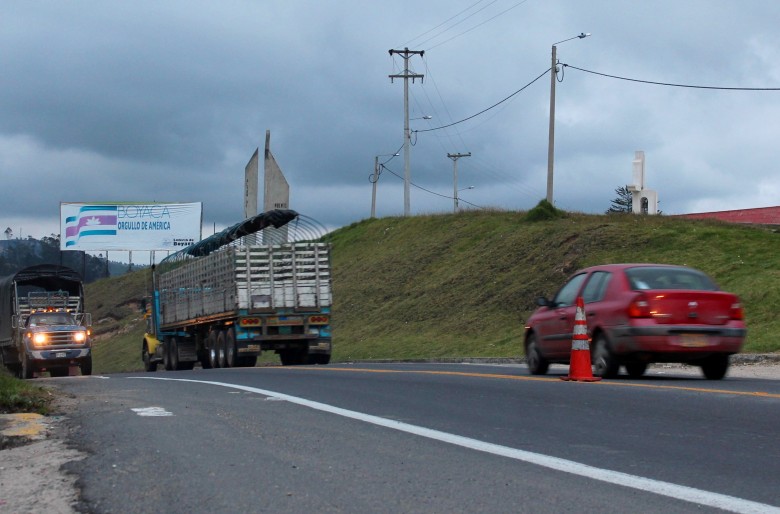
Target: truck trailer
(224,300)
(43,326)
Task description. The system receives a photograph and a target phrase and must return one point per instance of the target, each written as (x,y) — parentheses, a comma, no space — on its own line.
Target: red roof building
(759,216)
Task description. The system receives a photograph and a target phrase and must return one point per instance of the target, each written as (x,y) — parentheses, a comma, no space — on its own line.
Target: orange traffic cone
(579,365)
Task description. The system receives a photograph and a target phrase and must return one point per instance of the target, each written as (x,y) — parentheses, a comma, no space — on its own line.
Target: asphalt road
(422,438)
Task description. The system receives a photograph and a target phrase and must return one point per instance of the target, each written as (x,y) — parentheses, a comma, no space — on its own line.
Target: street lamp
(407,145)
(375,179)
(551,141)
(456,195)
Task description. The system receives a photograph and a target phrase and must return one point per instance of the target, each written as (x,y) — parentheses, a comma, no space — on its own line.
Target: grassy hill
(461,285)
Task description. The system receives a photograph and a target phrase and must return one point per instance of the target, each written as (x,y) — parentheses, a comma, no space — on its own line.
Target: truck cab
(54,340)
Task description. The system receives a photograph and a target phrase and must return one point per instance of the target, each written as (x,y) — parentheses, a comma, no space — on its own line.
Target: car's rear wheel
(636,369)
(715,367)
(605,364)
(537,364)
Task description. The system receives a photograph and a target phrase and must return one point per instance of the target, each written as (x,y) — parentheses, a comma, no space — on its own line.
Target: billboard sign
(129,226)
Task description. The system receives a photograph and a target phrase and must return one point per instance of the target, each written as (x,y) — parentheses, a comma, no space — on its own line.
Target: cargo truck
(43,326)
(226,299)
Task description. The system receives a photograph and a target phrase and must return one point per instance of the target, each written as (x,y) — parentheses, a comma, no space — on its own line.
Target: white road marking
(680,492)
(152,411)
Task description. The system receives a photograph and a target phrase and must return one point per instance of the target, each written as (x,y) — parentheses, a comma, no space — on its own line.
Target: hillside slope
(461,285)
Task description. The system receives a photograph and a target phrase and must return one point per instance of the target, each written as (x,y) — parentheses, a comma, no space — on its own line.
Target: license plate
(60,355)
(693,340)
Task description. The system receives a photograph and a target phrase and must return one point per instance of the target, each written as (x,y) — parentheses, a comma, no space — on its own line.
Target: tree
(623,203)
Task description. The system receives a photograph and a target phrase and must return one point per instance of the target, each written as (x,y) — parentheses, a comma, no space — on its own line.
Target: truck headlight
(80,337)
(39,339)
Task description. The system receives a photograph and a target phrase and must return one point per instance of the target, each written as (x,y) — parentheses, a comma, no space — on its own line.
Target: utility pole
(373,191)
(455,157)
(406,75)
(551,136)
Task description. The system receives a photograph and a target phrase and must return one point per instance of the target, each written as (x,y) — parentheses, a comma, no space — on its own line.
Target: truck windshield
(51,318)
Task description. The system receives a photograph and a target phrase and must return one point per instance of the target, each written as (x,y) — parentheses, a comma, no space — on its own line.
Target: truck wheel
(28,370)
(230,349)
(221,349)
(203,354)
(174,355)
(148,364)
(86,366)
(167,354)
(213,349)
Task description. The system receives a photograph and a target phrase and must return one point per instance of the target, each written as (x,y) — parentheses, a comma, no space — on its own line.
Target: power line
(673,84)
(477,26)
(429,191)
(489,108)
(450,19)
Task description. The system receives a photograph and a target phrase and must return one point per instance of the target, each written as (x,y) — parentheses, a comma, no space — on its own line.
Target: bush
(544,211)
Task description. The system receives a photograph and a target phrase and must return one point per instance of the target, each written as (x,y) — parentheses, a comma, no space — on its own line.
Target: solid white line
(680,492)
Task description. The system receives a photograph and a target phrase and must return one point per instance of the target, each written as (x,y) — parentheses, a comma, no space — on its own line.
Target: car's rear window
(647,277)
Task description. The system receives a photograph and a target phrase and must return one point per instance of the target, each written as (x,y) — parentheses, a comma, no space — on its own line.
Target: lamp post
(551,140)
(407,150)
(375,179)
(456,195)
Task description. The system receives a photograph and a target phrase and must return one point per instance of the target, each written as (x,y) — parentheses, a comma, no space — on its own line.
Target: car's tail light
(639,307)
(736,311)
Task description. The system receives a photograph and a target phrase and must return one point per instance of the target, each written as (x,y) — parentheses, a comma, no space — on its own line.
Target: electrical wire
(458,23)
(673,84)
(477,26)
(432,192)
(489,108)
(382,166)
(447,21)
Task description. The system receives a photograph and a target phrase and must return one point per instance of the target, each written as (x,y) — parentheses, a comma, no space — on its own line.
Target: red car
(638,314)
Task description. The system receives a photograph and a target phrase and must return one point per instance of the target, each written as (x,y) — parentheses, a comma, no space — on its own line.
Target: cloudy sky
(166,101)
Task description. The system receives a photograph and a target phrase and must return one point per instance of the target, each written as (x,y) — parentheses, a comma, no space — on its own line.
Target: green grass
(462,285)
(22,396)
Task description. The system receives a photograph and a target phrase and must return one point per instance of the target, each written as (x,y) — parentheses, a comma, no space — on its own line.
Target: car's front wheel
(537,364)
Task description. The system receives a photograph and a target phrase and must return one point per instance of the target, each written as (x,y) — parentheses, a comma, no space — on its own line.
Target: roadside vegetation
(22,396)
(462,285)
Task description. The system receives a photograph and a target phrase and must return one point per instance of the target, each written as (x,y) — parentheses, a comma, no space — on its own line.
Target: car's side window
(596,287)
(568,293)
